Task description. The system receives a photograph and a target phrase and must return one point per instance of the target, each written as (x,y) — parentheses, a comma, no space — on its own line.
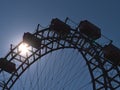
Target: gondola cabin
(32,40)
(112,53)
(60,27)
(89,30)
(7,65)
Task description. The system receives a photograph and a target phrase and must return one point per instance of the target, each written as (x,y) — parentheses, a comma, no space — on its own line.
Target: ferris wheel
(61,57)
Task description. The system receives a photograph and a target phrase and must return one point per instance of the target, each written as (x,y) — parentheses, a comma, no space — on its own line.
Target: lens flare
(23,48)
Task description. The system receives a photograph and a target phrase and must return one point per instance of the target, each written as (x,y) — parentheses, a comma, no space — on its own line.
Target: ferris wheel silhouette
(101,63)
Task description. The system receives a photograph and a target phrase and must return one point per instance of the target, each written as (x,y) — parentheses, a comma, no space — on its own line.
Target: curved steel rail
(100,69)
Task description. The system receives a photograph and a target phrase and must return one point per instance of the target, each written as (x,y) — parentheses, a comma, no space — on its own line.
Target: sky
(19,16)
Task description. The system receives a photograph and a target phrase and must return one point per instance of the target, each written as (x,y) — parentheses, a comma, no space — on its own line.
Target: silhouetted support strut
(57,36)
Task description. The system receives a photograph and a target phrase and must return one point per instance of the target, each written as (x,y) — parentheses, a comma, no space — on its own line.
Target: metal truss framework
(104,75)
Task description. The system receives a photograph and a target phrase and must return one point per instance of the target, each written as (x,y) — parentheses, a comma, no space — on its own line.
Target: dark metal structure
(59,36)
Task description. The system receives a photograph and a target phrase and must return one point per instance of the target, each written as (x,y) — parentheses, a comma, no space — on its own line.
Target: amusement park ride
(83,38)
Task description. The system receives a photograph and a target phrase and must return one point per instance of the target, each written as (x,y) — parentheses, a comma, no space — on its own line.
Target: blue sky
(19,16)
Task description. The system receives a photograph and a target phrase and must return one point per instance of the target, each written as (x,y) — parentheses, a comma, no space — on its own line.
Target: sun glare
(23,48)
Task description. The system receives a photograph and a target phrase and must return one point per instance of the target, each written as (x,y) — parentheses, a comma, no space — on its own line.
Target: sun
(23,48)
